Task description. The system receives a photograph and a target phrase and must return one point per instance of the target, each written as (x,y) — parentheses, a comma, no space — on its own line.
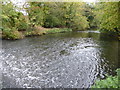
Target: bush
(109,82)
(35,31)
(22,26)
(11,34)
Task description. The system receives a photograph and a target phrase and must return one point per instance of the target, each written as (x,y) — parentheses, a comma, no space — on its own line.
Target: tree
(12,21)
(107,15)
(64,14)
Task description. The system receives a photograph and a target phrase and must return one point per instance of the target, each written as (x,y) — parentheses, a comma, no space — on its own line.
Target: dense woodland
(51,17)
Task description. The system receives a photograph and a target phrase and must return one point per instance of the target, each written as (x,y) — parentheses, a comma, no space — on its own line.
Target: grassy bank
(58,30)
(12,34)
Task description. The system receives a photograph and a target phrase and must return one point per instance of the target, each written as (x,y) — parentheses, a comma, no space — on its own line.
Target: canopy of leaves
(12,18)
(58,14)
(74,15)
(107,16)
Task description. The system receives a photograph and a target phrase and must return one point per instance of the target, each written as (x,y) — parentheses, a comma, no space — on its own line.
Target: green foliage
(12,21)
(22,23)
(57,14)
(11,17)
(90,14)
(37,13)
(35,31)
(107,16)
(74,15)
(109,82)
(58,30)
(12,34)
(52,21)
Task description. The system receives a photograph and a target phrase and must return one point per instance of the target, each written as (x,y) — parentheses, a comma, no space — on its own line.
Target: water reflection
(66,60)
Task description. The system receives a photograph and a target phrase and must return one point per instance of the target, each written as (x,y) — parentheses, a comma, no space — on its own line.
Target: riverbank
(35,31)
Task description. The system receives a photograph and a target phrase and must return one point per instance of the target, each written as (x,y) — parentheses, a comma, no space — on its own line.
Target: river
(62,60)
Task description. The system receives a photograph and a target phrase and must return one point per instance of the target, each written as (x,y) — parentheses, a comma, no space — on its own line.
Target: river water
(63,60)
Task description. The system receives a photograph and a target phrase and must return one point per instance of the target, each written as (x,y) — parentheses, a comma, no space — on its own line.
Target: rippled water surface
(69,60)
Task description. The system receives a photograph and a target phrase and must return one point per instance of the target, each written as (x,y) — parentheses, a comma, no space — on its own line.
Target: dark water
(69,60)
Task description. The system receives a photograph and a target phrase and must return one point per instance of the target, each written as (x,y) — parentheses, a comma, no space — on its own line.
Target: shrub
(35,31)
(22,26)
(11,34)
(109,82)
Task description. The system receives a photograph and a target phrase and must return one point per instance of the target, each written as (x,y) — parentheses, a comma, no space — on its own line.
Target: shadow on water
(69,60)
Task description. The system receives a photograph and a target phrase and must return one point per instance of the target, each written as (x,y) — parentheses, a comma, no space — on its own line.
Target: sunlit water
(68,60)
